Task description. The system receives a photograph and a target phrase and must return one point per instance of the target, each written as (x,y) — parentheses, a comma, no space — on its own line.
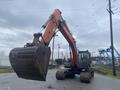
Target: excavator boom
(56,21)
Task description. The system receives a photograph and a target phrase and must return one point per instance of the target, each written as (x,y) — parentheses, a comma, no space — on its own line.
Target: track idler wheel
(30,62)
(61,74)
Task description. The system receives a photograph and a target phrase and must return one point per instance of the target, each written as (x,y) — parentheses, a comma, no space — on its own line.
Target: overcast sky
(88,21)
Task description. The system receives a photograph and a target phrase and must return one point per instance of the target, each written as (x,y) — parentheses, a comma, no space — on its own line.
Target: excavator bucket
(31,62)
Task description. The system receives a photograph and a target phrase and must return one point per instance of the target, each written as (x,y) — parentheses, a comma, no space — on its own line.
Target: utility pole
(58,50)
(53,47)
(111,38)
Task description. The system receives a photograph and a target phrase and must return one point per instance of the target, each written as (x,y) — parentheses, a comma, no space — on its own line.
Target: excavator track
(31,62)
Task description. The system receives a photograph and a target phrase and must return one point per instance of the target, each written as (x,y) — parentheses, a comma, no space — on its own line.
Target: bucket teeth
(30,62)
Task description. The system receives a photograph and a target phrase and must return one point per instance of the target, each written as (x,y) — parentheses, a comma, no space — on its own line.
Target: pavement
(10,81)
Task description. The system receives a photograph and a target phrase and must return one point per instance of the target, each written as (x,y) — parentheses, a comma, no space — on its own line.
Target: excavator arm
(31,61)
(72,43)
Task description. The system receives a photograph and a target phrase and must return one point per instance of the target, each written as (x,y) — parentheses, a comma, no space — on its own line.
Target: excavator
(32,60)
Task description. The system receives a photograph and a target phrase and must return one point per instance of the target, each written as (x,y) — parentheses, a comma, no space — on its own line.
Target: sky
(88,21)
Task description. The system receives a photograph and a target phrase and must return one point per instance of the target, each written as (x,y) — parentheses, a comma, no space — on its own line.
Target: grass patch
(107,71)
(6,70)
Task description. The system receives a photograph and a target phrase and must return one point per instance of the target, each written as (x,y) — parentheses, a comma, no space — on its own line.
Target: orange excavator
(32,60)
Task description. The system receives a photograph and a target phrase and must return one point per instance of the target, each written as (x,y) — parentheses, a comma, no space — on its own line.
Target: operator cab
(84,59)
